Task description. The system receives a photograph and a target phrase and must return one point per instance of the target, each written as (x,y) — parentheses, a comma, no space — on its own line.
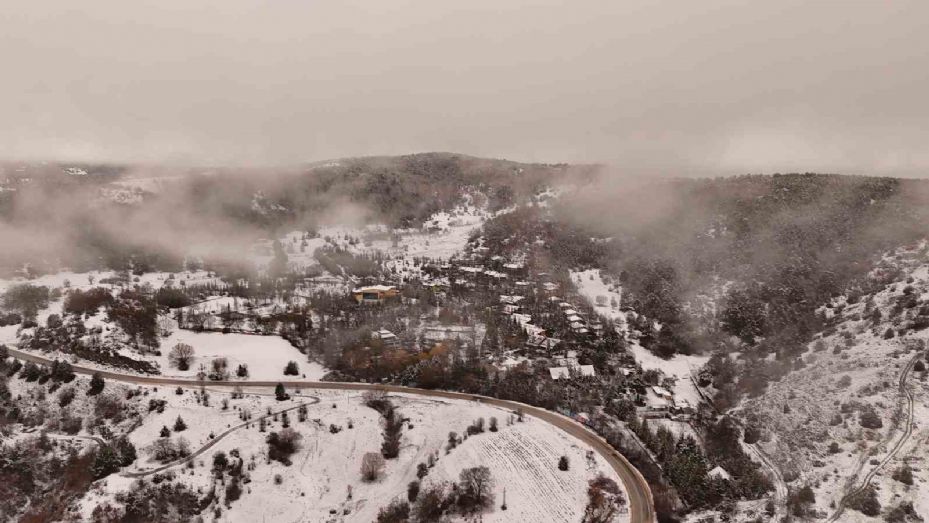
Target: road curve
(641,504)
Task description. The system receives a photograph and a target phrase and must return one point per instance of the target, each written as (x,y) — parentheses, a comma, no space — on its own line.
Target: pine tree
(127,452)
(96,384)
(106,462)
(280,393)
(179,425)
(165,432)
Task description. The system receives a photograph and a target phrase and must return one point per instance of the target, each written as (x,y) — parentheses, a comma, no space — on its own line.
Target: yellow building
(375,293)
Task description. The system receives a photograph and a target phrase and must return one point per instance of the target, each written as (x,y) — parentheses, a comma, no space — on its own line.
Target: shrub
(96,384)
(752,434)
(65,397)
(903,513)
(233,490)
(904,475)
(412,491)
(398,511)
(563,463)
(372,465)
(166,450)
(870,419)
(291,369)
(865,501)
(283,444)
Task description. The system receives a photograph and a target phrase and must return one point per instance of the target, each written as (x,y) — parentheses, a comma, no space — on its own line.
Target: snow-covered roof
(512,266)
(558,373)
(533,330)
(542,342)
(512,300)
(384,334)
(374,288)
(661,391)
(719,473)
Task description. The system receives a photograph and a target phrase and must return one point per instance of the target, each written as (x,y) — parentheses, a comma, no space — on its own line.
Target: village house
(542,342)
(558,373)
(386,337)
(375,294)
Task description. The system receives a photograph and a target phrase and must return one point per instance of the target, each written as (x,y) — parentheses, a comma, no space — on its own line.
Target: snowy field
(605,298)
(522,457)
(265,356)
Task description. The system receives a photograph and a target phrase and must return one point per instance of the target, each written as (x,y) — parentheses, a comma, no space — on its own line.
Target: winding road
(907,432)
(641,504)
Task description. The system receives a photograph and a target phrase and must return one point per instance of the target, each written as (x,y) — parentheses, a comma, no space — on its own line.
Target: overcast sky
(689,87)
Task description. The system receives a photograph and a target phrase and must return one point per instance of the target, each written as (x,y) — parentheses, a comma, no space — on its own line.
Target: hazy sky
(681,87)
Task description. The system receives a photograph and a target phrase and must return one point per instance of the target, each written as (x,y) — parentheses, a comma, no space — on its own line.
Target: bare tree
(476,487)
(181,356)
(605,500)
(372,466)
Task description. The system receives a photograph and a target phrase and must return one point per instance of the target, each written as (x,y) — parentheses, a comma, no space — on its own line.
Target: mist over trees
(213,214)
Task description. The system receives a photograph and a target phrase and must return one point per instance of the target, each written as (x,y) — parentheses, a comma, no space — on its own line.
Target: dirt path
(214,441)
(907,432)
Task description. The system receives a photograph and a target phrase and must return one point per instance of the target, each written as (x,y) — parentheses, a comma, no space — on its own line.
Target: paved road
(641,505)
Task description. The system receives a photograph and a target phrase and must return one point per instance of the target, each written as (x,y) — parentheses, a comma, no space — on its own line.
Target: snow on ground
(852,364)
(265,356)
(679,366)
(442,236)
(522,458)
(606,298)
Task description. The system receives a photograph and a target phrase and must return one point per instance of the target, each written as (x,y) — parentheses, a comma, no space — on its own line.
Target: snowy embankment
(265,356)
(324,481)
